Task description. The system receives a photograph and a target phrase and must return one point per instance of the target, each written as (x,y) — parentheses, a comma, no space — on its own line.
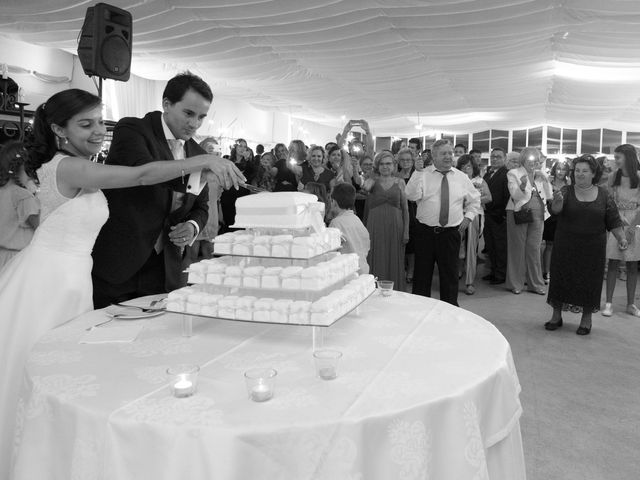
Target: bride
(49,282)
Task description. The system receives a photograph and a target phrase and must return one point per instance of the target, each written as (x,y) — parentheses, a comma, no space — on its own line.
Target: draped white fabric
(463,66)
(424,391)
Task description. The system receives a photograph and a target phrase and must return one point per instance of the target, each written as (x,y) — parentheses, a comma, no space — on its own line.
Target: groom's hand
(182,234)
(226,172)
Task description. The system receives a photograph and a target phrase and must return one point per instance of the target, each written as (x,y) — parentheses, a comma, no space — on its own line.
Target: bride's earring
(62,141)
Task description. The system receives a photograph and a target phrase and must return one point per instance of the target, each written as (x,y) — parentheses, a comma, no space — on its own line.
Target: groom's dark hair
(181,83)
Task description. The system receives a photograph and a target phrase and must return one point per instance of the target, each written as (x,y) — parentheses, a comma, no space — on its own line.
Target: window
(590,141)
(633,138)
(463,139)
(481,141)
(553,140)
(428,141)
(500,138)
(569,141)
(448,137)
(383,143)
(535,138)
(519,140)
(610,140)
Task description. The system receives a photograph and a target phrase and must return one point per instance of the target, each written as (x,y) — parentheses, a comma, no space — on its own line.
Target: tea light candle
(183,387)
(260,383)
(261,393)
(327,363)
(327,373)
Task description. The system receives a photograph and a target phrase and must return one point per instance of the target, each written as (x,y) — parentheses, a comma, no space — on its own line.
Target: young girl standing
(625,188)
(19,207)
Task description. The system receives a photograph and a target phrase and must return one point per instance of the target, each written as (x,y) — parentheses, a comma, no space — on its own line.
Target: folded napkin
(113,334)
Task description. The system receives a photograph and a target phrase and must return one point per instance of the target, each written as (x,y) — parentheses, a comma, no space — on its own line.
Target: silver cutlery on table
(100,324)
(149,308)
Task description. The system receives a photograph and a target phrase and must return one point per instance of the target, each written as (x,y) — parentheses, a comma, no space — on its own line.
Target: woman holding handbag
(530,189)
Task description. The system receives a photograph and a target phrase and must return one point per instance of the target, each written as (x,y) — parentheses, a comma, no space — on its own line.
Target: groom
(140,249)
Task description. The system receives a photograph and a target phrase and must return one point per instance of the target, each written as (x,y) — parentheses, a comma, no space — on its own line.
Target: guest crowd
(549,229)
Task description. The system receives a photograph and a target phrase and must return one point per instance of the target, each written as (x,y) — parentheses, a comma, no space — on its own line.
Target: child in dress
(354,234)
(19,207)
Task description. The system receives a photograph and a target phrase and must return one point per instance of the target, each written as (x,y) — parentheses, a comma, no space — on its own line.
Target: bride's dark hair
(43,143)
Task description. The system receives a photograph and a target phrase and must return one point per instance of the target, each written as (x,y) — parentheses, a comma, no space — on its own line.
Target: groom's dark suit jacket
(137,215)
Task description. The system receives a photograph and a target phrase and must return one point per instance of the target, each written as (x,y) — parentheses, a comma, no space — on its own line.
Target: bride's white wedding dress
(45,285)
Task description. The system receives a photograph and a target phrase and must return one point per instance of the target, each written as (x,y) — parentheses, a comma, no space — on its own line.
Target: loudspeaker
(104,44)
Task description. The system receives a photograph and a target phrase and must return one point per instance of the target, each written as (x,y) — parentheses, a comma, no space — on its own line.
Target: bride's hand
(226,172)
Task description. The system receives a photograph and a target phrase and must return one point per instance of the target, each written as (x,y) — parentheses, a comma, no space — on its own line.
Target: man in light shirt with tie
(447,203)
(140,249)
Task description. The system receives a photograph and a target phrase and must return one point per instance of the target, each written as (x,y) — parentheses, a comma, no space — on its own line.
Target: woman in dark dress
(387,220)
(242,157)
(313,170)
(286,180)
(585,213)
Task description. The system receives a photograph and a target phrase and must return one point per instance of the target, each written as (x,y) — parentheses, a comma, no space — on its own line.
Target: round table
(425,390)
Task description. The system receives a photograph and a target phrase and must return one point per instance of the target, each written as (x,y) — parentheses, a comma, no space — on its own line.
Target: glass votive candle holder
(327,363)
(261,383)
(386,287)
(183,380)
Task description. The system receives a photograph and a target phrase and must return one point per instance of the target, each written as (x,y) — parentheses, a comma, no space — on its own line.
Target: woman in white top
(530,189)
(624,185)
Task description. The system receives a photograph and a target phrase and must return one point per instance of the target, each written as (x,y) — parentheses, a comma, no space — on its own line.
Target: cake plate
(317,330)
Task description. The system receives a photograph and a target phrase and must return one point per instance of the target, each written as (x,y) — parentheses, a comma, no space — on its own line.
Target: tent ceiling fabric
(462,65)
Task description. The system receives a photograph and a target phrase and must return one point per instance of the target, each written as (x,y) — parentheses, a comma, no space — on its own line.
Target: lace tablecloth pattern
(425,391)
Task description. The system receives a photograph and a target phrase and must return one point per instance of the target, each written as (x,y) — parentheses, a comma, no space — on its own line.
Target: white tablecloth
(425,391)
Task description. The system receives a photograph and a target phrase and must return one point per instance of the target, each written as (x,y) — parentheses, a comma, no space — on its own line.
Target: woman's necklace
(584,189)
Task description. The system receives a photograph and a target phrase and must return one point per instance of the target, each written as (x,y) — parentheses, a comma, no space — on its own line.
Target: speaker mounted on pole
(104,45)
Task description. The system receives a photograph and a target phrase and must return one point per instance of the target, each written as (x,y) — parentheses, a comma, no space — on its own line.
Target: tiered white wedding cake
(273,272)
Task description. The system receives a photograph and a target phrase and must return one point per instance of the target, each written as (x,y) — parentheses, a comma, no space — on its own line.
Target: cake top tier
(276,200)
(280,210)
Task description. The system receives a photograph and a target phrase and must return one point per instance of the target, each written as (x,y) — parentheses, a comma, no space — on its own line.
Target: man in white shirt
(447,203)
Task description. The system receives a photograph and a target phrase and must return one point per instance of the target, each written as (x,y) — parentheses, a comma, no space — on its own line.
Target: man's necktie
(177,149)
(444,199)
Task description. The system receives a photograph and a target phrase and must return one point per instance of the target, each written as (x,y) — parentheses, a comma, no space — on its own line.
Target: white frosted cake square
(222,243)
(197,273)
(303,251)
(279,210)
(271,277)
(310,279)
(242,249)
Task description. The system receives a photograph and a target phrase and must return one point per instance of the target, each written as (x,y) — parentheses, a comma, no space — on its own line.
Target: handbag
(524,215)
